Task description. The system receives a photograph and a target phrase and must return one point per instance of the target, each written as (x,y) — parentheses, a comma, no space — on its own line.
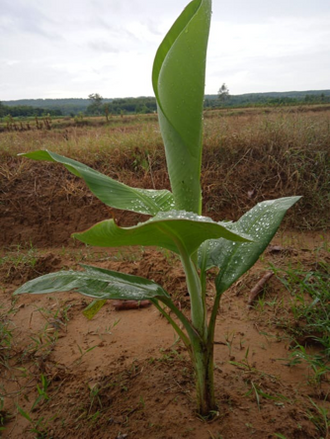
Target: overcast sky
(71,48)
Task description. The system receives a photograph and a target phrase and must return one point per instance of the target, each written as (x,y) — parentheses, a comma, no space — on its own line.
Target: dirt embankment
(43,204)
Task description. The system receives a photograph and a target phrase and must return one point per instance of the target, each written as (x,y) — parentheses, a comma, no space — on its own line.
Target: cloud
(17,16)
(103,46)
(269,55)
(72,48)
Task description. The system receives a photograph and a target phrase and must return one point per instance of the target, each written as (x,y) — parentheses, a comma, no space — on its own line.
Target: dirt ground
(123,374)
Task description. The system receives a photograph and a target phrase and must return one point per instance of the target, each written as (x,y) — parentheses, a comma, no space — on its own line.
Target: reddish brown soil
(42,204)
(47,204)
(123,374)
(142,379)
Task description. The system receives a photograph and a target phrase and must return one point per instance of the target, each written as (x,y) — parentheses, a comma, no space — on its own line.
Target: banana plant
(176,221)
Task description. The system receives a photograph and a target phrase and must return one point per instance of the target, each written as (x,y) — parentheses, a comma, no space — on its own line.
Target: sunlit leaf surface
(233,258)
(95,282)
(174,230)
(109,191)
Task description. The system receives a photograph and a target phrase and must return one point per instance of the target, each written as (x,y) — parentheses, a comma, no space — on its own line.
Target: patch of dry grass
(252,157)
(249,155)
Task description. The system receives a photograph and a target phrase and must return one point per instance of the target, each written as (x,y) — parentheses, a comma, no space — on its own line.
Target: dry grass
(249,156)
(252,157)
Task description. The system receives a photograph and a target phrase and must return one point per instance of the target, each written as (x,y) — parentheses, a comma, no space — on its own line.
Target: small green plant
(42,391)
(20,257)
(94,392)
(318,364)
(320,417)
(177,224)
(39,426)
(310,306)
(6,335)
(83,353)
(3,414)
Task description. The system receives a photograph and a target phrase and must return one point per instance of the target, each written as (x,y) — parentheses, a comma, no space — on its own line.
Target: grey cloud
(72,39)
(257,11)
(114,30)
(153,27)
(20,17)
(104,46)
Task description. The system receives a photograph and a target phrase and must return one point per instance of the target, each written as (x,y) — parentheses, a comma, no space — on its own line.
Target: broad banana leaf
(234,258)
(175,230)
(112,192)
(178,80)
(95,282)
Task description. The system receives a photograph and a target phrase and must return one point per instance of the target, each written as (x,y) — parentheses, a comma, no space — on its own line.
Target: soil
(123,374)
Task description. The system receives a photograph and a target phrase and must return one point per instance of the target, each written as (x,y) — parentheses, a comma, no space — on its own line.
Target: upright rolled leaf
(178,80)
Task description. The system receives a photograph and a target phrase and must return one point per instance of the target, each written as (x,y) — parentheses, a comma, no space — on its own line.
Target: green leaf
(178,80)
(23,413)
(95,282)
(109,191)
(93,308)
(174,230)
(234,259)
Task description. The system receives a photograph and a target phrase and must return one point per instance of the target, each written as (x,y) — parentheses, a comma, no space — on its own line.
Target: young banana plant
(176,223)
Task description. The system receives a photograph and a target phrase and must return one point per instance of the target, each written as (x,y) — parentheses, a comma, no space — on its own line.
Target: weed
(8,348)
(108,329)
(244,364)
(19,256)
(43,343)
(317,363)
(6,335)
(3,414)
(39,426)
(320,417)
(42,391)
(229,341)
(216,436)
(258,393)
(310,305)
(83,353)
(94,392)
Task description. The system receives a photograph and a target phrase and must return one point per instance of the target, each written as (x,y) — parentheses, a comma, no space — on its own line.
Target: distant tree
(2,109)
(223,94)
(96,104)
(106,108)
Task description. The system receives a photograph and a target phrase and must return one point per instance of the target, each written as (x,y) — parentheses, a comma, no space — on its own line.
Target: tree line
(96,105)
(27,111)
(225,99)
(99,106)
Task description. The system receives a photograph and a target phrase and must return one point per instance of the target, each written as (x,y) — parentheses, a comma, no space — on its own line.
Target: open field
(123,374)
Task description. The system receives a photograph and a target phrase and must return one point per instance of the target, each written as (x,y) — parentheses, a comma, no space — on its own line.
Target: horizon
(152,96)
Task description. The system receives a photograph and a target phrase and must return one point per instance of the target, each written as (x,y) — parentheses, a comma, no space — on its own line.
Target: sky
(72,48)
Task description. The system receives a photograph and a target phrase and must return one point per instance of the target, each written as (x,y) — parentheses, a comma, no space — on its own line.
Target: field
(123,374)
